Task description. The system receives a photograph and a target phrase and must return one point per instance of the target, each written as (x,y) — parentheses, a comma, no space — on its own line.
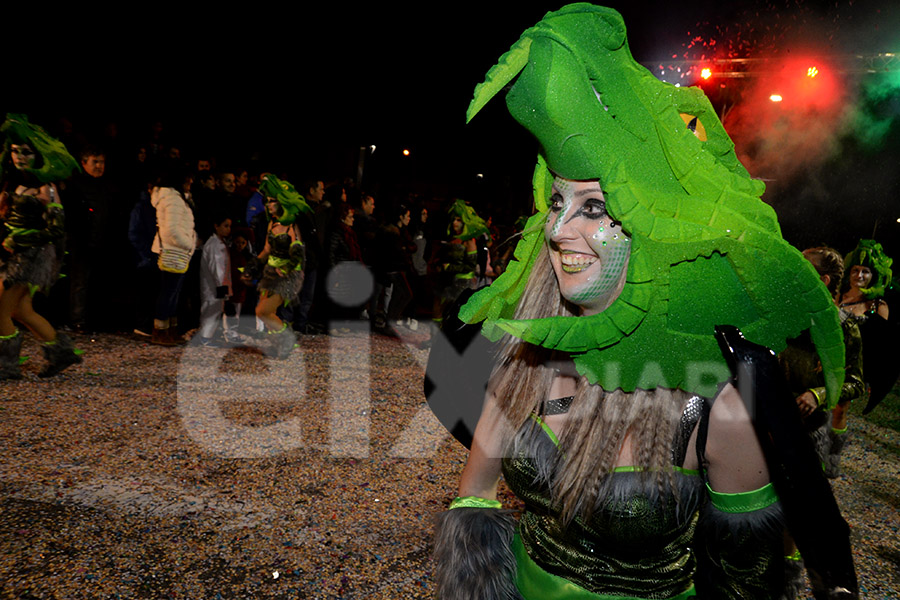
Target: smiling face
(860,276)
(227,182)
(588,250)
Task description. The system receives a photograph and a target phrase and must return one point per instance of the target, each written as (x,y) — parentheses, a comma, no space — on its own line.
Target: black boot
(9,356)
(60,354)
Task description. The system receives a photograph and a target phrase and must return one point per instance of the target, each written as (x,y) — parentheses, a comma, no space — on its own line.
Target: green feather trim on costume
(57,163)
(706,250)
(291,201)
(473,225)
(870,254)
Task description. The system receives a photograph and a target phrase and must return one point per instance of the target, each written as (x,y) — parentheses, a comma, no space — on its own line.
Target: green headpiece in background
(870,254)
(473,225)
(291,201)
(57,163)
(705,249)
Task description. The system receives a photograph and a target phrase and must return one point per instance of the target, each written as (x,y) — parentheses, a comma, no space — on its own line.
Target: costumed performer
(459,260)
(803,374)
(867,275)
(280,264)
(32,235)
(803,370)
(612,411)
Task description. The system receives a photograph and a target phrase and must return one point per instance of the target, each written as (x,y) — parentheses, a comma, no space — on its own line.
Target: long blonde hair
(598,421)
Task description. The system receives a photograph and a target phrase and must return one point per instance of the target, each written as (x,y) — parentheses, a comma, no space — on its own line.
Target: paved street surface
(206,473)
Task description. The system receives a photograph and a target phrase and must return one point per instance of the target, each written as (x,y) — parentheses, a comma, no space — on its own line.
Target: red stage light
(807,84)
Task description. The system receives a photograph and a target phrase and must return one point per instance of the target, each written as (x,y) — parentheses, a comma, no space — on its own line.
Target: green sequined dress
(637,543)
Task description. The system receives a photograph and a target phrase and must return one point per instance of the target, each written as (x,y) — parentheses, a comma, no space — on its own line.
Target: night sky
(302,91)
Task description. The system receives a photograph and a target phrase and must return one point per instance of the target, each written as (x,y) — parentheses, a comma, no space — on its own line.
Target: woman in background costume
(613,411)
(280,264)
(867,274)
(803,375)
(803,371)
(459,253)
(33,238)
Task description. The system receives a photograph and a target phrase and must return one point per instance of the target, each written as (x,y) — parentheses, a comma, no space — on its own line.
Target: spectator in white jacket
(215,278)
(175,242)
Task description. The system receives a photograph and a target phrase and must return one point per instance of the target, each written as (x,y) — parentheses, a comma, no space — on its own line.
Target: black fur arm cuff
(473,555)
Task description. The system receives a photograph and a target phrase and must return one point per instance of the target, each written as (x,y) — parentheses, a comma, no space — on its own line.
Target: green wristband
(815,393)
(474,502)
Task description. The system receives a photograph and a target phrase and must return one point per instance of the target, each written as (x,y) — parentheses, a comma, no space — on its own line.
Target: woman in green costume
(867,276)
(280,264)
(611,412)
(32,234)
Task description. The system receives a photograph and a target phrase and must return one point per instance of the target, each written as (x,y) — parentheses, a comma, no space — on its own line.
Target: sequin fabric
(637,542)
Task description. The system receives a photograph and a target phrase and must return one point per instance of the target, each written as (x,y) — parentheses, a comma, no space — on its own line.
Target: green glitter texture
(705,250)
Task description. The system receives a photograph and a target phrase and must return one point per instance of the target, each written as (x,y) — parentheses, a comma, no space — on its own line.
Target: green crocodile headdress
(705,249)
(57,164)
(870,254)
(473,225)
(291,201)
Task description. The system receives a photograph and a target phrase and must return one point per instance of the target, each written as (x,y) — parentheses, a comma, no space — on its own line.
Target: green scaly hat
(291,201)
(473,225)
(705,250)
(870,254)
(57,165)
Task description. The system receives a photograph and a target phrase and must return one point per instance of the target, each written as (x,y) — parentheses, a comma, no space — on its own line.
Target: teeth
(572,263)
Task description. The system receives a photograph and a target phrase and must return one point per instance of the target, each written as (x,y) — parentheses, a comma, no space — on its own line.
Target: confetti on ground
(152,472)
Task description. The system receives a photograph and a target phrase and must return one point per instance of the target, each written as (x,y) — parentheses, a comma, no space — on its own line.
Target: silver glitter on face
(587,257)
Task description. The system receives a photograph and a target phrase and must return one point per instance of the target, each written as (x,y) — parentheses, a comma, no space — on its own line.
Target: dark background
(300,92)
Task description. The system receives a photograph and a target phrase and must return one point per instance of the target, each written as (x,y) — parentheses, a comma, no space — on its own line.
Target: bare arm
(882,310)
(736,460)
(266,249)
(482,472)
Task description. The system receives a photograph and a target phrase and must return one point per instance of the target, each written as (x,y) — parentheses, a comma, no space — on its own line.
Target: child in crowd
(239,252)
(215,278)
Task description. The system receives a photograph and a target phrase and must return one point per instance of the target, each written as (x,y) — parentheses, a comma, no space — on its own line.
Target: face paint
(563,187)
(588,256)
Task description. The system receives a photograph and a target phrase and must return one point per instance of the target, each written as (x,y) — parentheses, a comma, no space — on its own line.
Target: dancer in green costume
(612,412)
(280,263)
(32,239)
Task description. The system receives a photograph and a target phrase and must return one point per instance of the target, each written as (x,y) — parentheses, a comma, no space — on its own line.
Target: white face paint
(588,250)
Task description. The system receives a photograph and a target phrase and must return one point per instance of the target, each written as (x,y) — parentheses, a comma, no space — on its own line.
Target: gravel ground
(204,473)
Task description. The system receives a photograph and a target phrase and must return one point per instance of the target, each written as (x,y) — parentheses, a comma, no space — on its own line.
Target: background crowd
(406,244)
